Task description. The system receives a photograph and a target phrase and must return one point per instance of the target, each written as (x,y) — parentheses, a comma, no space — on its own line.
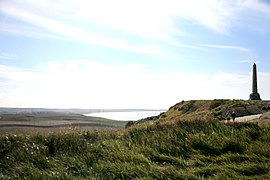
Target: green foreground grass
(184,150)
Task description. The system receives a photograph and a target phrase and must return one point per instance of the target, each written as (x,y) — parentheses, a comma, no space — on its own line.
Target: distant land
(5,110)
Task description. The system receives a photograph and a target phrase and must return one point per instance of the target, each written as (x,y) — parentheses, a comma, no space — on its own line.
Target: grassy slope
(189,149)
(207,109)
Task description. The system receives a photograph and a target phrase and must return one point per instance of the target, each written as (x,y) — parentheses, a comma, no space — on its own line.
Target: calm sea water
(125,116)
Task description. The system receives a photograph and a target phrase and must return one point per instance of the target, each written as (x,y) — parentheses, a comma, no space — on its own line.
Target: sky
(131,54)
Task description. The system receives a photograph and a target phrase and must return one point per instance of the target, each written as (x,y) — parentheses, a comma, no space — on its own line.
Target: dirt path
(246,118)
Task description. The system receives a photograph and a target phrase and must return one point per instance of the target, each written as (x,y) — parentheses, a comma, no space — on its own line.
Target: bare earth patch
(261,119)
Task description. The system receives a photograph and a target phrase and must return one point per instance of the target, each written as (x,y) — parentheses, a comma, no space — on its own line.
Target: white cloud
(249,61)
(264,85)
(72,32)
(86,84)
(238,48)
(116,24)
(256,6)
(6,55)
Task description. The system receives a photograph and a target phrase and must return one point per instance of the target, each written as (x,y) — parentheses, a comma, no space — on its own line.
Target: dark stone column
(254,95)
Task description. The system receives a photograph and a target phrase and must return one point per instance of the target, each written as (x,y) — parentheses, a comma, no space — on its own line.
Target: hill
(187,142)
(219,109)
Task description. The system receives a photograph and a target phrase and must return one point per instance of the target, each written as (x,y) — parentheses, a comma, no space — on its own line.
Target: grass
(196,149)
(187,142)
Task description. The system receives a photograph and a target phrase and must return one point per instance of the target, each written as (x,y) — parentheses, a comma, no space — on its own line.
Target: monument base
(254,96)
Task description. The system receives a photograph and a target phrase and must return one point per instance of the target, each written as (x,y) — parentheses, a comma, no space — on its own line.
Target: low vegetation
(186,149)
(208,110)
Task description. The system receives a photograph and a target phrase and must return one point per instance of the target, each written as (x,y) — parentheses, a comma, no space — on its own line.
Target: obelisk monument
(254,95)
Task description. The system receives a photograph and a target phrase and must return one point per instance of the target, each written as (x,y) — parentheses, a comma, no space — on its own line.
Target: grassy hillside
(208,110)
(191,148)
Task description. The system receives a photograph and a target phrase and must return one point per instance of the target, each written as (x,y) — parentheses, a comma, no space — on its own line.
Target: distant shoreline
(126,115)
(8,110)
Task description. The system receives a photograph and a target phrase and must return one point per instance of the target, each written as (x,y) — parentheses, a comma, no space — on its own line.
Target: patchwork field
(44,123)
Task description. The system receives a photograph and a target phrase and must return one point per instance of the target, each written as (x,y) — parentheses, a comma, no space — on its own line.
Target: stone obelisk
(254,95)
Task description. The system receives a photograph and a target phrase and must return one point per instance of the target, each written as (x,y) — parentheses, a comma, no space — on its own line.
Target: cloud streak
(230,47)
(112,25)
(248,61)
(69,31)
(6,55)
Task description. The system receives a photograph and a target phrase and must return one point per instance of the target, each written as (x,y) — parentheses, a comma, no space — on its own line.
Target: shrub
(216,103)
(129,124)
(189,107)
(162,115)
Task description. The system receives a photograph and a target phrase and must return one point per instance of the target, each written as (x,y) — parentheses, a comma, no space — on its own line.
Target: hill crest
(208,110)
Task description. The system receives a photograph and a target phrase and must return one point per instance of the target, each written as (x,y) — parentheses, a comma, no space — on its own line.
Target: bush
(189,107)
(216,103)
(129,124)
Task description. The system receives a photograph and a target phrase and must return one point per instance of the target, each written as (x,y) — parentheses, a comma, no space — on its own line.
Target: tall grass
(185,150)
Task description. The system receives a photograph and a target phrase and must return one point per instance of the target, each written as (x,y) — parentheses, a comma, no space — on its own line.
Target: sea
(126,115)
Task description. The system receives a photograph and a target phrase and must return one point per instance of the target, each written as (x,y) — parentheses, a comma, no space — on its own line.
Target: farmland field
(54,122)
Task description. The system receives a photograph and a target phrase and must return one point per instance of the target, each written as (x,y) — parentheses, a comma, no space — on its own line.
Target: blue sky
(131,54)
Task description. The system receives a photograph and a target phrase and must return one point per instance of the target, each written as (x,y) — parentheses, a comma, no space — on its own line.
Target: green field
(191,147)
